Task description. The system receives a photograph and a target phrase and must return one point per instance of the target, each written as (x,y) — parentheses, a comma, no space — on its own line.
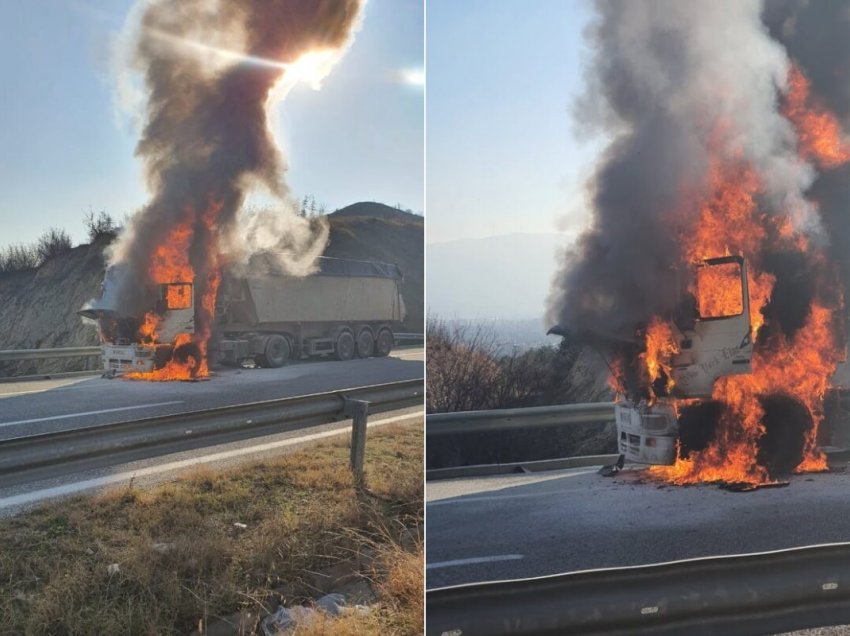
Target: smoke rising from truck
(211,71)
(721,144)
(663,77)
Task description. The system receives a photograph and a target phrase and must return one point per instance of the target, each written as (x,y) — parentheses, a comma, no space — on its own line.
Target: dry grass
(182,562)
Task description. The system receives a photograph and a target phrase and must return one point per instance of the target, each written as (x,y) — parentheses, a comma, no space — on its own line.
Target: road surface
(50,405)
(524,525)
(20,495)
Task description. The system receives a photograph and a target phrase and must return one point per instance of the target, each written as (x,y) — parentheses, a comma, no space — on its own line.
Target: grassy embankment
(183,564)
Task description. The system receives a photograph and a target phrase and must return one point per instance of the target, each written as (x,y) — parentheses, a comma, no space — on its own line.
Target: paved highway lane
(51,405)
(163,467)
(516,526)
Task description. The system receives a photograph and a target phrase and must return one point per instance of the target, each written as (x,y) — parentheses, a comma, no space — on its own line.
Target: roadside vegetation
(18,257)
(469,371)
(219,548)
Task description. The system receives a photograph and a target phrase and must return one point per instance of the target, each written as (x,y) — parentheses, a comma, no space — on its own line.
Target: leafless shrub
(100,226)
(18,257)
(53,242)
(463,374)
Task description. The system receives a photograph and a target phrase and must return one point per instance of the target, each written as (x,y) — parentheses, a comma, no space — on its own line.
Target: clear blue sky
(501,157)
(63,150)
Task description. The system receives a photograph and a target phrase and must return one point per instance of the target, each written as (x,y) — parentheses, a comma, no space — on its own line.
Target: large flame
(818,130)
(730,222)
(170,264)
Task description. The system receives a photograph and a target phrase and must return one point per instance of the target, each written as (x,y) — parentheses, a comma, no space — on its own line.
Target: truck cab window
(719,290)
(178,296)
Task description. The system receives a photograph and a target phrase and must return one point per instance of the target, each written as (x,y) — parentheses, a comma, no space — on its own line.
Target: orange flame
(661,346)
(170,265)
(730,222)
(147,332)
(818,130)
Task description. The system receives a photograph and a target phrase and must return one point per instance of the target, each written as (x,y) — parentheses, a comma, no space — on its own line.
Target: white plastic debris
(239,525)
(113,569)
(285,619)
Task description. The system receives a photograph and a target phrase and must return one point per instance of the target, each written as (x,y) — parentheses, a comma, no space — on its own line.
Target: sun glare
(414,76)
(311,68)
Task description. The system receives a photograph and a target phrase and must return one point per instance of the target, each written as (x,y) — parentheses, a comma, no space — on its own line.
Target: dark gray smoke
(816,35)
(209,70)
(664,75)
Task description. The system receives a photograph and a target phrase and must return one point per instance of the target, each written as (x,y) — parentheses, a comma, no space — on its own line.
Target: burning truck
(347,308)
(713,274)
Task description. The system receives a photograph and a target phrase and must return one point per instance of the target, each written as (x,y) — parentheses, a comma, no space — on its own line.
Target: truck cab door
(176,306)
(720,340)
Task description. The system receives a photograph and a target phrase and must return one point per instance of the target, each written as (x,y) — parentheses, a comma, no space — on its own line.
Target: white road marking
(472,489)
(26,392)
(64,384)
(98,482)
(472,561)
(63,417)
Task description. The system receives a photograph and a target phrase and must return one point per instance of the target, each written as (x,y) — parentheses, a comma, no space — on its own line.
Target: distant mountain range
(505,276)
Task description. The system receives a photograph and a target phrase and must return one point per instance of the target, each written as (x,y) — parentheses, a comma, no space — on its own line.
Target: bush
(100,226)
(468,372)
(53,242)
(18,257)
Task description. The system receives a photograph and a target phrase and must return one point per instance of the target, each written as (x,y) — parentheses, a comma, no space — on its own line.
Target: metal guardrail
(43,354)
(762,593)
(72,352)
(503,419)
(27,452)
(409,337)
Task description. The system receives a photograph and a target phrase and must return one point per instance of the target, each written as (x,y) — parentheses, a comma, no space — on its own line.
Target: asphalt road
(147,471)
(517,526)
(51,405)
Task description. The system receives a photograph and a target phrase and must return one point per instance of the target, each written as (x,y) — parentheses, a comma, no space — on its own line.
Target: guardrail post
(359,411)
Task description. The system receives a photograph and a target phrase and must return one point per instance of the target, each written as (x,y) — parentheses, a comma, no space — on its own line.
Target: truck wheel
(385,343)
(189,351)
(276,352)
(345,346)
(365,344)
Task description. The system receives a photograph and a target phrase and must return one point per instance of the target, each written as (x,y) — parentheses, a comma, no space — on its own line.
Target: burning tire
(276,352)
(786,423)
(188,354)
(779,449)
(345,347)
(385,343)
(365,344)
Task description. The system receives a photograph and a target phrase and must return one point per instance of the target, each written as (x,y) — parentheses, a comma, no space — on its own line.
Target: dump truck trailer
(346,308)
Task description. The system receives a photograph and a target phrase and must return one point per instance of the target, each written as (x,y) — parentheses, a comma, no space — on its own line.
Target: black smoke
(662,78)
(206,141)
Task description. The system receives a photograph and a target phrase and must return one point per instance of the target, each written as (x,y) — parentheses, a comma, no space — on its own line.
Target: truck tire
(385,343)
(365,344)
(345,347)
(276,352)
(189,351)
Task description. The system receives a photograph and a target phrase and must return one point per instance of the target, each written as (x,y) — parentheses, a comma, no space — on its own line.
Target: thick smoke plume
(674,85)
(211,71)
(816,36)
